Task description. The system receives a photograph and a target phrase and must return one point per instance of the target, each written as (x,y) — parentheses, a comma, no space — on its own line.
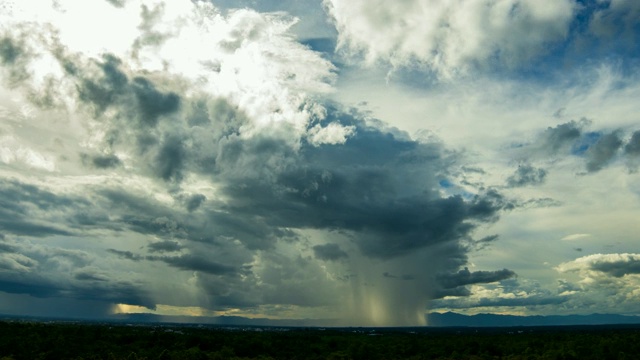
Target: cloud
(632,151)
(333,133)
(604,280)
(14,56)
(451,37)
(50,272)
(117,3)
(598,149)
(562,136)
(405,277)
(106,161)
(575,237)
(466,277)
(329,252)
(126,254)
(91,274)
(603,151)
(507,294)
(633,146)
(615,23)
(528,301)
(616,265)
(389,215)
(165,246)
(196,263)
(194,201)
(619,268)
(215,151)
(9,51)
(28,210)
(526,175)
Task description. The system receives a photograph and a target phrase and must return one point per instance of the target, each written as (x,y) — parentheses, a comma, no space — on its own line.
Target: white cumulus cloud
(450,37)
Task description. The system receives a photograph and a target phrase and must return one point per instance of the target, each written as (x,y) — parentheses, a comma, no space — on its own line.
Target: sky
(366,162)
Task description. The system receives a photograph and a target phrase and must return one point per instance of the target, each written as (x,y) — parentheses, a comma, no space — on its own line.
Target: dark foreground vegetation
(55,340)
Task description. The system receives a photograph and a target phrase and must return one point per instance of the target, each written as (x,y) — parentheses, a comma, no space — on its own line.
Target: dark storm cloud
(329,252)
(461,291)
(561,136)
(406,277)
(105,84)
(632,149)
(169,161)
(466,277)
(141,214)
(43,272)
(30,210)
(527,175)
(9,51)
(21,204)
(484,242)
(104,91)
(90,275)
(603,151)
(618,268)
(37,289)
(288,282)
(380,189)
(130,202)
(147,216)
(194,201)
(153,103)
(126,255)
(377,186)
(106,161)
(7,248)
(488,239)
(116,292)
(29,228)
(14,56)
(196,263)
(165,246)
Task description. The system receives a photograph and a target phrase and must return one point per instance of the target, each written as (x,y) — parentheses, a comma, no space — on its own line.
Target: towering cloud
(451,37)
(198,151)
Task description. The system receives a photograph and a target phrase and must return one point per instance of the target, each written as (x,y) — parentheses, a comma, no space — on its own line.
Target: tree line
(82,341)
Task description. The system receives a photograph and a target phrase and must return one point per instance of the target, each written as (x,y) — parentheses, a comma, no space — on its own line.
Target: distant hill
(492,320)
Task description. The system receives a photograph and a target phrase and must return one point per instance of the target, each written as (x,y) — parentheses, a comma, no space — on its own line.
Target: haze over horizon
(363,160)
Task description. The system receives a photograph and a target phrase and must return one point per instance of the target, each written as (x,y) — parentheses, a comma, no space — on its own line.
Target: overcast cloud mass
(361,161)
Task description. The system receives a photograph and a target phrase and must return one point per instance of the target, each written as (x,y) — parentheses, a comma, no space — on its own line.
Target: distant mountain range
(492,320)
